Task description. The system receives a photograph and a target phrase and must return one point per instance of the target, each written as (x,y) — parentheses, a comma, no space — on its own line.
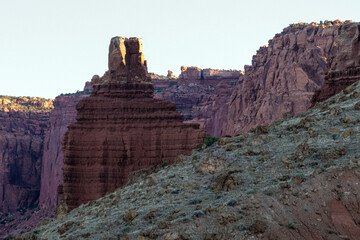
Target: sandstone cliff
(61,117)
(200,95)
(345,67)
(121,128)
(23,123)
(283,76)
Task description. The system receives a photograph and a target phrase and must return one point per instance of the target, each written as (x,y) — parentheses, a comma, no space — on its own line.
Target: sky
(51,47)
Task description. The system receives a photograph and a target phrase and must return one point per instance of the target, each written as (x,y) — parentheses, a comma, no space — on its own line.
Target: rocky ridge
(25,104)
(283,76)
(296,179)
(121,128)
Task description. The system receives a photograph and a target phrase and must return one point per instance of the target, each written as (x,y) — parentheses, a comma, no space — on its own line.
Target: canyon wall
(283,76)
(61,117)
(121,128)
(23,123)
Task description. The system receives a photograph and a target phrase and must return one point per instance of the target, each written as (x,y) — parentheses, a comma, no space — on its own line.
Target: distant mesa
(208,73)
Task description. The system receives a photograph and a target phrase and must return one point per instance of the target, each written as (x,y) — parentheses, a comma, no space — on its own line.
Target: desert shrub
(209,140)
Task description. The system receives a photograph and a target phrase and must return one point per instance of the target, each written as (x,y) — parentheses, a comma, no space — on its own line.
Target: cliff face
(283,76)
(61,117)
(121,128)
(345,66)
(23,123)
(200,95)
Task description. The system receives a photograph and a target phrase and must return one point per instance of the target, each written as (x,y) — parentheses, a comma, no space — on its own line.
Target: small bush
(209,140)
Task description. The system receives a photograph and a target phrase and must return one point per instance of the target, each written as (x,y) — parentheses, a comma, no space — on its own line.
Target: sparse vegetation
(209,140)
(25,104)
(298,25)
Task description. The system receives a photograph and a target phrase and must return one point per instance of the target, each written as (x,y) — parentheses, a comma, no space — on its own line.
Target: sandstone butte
(285,75)
(121,128)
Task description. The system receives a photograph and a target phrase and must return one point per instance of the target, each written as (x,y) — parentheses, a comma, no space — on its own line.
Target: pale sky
(51,47)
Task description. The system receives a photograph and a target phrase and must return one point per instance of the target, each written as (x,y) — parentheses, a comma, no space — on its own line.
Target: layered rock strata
(283,76)
(121,128)
(345,67)
(23,123)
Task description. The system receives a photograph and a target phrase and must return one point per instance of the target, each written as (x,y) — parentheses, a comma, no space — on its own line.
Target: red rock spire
(126,60)
(121,128)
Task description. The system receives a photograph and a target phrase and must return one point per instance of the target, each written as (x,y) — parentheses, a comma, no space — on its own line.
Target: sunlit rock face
(344,68)
(283,76)
(121,128)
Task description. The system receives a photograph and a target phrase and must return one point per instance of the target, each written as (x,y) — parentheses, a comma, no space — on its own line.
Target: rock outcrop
(61,117)
(283,76)
(195,73)
(344,68)
(200,95)
(23,122)
(121,128)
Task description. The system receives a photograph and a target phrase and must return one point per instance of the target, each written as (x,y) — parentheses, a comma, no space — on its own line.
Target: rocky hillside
(283,76)
(296,179)
(200,95)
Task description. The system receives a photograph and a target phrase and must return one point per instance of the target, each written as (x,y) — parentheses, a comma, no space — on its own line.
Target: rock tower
(121,128)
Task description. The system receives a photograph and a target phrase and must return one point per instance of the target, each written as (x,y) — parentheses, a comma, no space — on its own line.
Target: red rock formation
(61,117)
(23,123)
(121,128)
(283,77)
(345,66)
(190,73)
(199,95)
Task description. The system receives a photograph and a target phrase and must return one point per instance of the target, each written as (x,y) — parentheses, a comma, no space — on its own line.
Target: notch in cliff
(121,128)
